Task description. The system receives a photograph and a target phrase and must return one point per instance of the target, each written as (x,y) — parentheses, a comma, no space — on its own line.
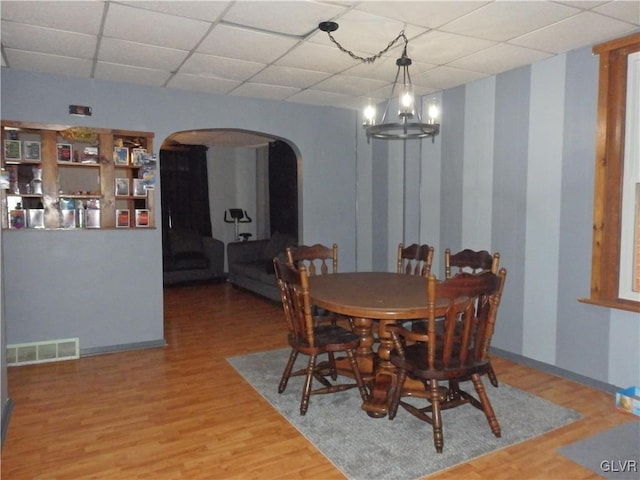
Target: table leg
(378,404)
(363,327)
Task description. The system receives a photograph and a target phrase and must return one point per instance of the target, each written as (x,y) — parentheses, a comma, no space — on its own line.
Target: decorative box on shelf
(628,400)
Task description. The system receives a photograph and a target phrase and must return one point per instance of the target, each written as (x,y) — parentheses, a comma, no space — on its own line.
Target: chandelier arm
(393,89)
(372,58)
(417,110)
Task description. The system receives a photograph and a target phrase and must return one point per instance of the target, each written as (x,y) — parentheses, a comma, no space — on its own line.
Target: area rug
(612,454)
(364,448)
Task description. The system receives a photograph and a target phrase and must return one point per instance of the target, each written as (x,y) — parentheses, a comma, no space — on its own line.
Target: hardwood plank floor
(182,412)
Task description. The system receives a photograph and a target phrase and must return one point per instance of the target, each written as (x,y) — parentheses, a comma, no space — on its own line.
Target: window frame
(607,209)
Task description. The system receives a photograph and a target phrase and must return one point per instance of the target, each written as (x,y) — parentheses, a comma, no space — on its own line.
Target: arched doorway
(251,171)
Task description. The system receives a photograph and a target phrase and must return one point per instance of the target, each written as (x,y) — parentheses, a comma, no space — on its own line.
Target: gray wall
(105,287)
(515,167)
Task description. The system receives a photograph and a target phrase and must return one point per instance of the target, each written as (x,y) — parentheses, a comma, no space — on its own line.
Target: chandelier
(405,127)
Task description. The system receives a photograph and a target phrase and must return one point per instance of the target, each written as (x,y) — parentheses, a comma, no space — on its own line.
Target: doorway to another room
(206,173)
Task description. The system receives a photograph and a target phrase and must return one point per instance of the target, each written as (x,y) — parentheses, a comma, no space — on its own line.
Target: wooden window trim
(610,134)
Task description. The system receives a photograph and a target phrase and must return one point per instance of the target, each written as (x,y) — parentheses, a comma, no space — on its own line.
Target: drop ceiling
(273,49)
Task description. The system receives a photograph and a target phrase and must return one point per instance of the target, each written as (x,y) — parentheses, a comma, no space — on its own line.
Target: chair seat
(415,362)
(328,338)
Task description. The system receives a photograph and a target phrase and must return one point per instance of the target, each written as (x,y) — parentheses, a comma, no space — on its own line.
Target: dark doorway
(283,189)
(185,188)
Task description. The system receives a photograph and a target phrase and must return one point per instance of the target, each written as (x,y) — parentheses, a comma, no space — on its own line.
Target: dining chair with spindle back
(311,339)
(474,261)
(454,349)
(415,259)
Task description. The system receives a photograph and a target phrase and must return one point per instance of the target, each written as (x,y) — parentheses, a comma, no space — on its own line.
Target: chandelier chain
(375,57)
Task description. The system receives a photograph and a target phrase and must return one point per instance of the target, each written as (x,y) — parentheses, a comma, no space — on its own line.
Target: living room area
(153,394)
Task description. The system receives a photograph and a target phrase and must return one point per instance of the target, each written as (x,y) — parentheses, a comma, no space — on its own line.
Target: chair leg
(436,417)
(492,376)
(333,372)
(486,405)
(396,394)
(306,392)
(287,370)
(356,373)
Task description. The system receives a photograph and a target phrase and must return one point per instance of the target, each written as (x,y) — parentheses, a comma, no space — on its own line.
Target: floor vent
(41,352)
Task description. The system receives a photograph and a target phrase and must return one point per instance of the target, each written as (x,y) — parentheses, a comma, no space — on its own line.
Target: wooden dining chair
(317,259)
(415,259)
(470,261)
(311,339)
(474,261)
(456,353)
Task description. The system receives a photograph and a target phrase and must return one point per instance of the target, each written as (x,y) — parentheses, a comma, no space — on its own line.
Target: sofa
(250,264)
(188,256)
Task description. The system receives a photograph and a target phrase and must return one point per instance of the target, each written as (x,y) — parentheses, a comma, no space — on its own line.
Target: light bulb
(369,115)
(434,112)
(406,102)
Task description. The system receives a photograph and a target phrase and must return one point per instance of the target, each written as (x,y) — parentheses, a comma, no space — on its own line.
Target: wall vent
(41,352)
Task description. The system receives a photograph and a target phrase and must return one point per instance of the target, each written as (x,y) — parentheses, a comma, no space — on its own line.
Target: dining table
(374,300)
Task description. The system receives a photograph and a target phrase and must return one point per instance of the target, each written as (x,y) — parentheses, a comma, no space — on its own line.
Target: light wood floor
(182,412)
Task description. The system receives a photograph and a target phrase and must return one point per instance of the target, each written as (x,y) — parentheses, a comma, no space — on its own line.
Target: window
(609,208)
(629,287)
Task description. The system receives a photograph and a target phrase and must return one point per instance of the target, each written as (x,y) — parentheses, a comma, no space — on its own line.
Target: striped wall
(516,161)
(542,227)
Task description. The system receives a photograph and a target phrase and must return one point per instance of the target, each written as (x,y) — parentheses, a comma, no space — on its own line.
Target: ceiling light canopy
(405,127)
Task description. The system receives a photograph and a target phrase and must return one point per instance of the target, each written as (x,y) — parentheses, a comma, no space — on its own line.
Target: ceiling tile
(81,16)
(439,48)
(499,58)
(585,29)
(366,34)
(311,56)
(500,21)
(446,77)
(244,44)
(126,73)
(199,10)
(42,62)
(148,56)
(426,14)
(260,90)
(200,64)
(317,97)
(48,40)
(350,85)
(289,76)
(296,18)
(384,69)
(202,84)
(584,4)
(170,31)
(628,11)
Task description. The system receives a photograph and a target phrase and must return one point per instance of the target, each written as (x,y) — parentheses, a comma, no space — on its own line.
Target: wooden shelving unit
(55,169)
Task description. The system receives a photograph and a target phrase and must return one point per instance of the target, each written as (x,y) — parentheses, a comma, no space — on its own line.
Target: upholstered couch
(250,264)
(188,256)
